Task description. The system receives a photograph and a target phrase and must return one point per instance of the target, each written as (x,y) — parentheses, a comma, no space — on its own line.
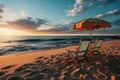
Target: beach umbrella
(91,24)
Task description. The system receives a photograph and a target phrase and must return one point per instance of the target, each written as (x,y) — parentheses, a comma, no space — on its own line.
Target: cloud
(41,25)
(116,22)
(2,8)
(108,31)
(24,14)
(67,21)
(76,8)
(45,27)
(56,28)
(109,13)
(114,12)
(27,23)
(61,29)
(1,11)
(80,6)
(84,5)
(100,15)
(53,28)
(1,17)
(106,2)
(6,14)
(74,11)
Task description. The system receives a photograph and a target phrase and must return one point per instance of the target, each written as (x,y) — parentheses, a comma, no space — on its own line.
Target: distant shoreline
(68,35)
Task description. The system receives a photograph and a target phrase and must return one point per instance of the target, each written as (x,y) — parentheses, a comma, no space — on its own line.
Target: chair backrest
(98,44)
(83,47)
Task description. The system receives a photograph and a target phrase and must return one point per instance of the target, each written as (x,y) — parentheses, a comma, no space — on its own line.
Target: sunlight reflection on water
(26,43)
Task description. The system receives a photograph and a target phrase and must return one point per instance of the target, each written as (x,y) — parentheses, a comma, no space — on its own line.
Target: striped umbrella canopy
(91,24)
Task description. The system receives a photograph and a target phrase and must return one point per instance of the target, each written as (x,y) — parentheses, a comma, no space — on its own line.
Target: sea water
(13,44)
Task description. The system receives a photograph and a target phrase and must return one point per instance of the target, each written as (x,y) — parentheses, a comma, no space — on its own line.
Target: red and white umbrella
(91,24)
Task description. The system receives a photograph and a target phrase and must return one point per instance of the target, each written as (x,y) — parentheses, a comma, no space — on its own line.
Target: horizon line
(64,35)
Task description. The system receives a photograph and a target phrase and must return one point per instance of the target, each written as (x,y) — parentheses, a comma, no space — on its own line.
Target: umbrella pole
(90,34)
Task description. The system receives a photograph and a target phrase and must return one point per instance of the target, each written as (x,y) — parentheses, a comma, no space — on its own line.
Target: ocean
(13,44)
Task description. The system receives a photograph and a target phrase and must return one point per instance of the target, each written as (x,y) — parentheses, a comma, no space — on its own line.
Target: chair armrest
(70,52)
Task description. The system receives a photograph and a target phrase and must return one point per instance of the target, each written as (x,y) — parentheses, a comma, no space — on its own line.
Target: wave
(29,47)
(25,44)
(37,40)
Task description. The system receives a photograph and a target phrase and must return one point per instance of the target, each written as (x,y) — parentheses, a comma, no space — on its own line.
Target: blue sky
(53,16)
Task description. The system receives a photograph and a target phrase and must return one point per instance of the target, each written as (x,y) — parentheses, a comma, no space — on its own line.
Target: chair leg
(99,54)
(68,58)
(86,59)
(75,60)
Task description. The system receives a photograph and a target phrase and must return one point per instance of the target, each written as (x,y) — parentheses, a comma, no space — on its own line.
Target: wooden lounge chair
(80,51)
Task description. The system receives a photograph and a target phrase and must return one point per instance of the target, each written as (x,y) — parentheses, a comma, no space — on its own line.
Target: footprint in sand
(52,56)
(41,57)
(14,78)
(20,69)
(37,77)
(26,71)
(25,67)
(8,67)
(38,61)
(32,73)
(28,65)
(2,73)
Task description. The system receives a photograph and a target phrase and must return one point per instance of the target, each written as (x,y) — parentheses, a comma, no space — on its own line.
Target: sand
(52,65)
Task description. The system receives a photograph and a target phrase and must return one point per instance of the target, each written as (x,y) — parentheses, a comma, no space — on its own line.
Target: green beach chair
(80,51)
(97,46)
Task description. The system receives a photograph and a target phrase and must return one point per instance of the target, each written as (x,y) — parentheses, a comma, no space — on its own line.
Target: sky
(47,17)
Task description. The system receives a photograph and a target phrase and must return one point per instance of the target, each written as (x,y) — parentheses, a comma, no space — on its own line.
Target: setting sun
(8,32)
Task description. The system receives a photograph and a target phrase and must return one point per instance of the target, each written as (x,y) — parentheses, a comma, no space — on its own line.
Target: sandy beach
(51,65)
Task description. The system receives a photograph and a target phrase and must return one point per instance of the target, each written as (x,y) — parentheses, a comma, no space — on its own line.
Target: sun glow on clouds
(9,32)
